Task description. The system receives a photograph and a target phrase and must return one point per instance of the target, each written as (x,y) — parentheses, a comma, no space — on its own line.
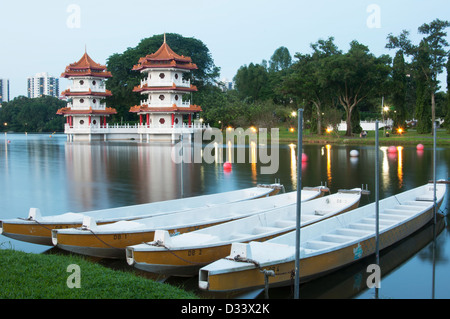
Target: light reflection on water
(39,170)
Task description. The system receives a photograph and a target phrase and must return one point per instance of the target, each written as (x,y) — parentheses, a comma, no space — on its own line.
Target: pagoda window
(81,100)
(94,83)
(81,82)
(162,121)
(94,122)
(94,99)
(81,122)
(176,76)
(176,97)
(162,75)
(161,97)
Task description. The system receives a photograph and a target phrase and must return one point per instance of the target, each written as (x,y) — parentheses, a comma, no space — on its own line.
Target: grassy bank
(42,276)
(410,137)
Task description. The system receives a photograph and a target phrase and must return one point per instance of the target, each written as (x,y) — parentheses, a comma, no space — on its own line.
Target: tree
(354,76)
(280,60)
(423,79)
(252,83)
(124,79)
(304,83)
(399,91)
(435,39)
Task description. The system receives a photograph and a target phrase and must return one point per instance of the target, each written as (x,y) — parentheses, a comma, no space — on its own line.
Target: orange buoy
(420,146)
(227,166)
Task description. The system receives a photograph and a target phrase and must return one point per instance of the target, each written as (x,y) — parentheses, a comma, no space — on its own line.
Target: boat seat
(406,207)
(352,232)
(285,223)
(319,244)
(262,230)
(425,198)
(416,203)
(338,238)
(381,221)
(399,212)
(370,227)
(392,216)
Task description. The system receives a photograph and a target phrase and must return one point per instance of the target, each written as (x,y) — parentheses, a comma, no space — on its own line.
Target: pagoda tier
(165,58)
(146,109)
(86,67)
(102,112)
(89,92)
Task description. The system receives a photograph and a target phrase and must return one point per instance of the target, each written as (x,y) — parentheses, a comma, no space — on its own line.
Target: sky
(47,35)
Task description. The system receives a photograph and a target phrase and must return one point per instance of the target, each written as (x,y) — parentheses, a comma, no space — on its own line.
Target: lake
(46,171)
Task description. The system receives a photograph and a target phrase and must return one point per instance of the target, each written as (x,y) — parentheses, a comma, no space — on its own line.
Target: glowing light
(400,130)
(329,130)
(291,130)
(294,114)
(253,128)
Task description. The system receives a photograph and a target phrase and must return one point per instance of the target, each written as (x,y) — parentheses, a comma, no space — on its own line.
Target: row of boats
(233,240)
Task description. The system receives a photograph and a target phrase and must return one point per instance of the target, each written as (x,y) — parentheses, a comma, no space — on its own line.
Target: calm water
(44,171)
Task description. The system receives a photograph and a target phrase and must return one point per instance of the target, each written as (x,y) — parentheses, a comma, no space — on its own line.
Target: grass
(44,276)
(410,137)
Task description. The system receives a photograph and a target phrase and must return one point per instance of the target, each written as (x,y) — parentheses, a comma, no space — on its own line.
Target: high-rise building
(4,90)
(42,84)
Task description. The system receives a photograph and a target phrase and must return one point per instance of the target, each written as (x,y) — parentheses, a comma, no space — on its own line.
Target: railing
(166,83)
(134,128)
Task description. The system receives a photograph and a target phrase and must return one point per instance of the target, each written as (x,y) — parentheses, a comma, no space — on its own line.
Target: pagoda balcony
(166,83)
(86,87)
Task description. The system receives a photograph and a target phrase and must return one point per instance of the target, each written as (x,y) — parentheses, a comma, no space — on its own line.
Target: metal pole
(377,208)
(299,206)
(434,171)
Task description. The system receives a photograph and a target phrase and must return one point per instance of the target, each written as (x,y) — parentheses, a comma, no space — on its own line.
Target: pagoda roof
(165,57)
(86,67)
(86,93)
(174,108)
(145,87)
(90,111)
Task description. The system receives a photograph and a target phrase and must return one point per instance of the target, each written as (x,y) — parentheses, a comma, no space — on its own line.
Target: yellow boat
(325,246)
(37,229)
(184,254)
(110,241)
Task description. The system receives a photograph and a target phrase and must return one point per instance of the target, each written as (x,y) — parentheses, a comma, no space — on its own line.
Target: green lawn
(45,276)
(410,137)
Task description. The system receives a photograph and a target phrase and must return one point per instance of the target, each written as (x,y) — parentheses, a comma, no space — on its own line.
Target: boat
(185,254)
(110,240)
(325,246)
(37,229)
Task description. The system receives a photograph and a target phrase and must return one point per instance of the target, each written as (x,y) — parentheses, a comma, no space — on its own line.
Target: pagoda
(165,89)
(85,113)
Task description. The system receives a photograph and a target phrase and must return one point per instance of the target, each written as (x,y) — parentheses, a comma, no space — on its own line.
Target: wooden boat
(110,240)
(183,255)
(324,247)
(37,229)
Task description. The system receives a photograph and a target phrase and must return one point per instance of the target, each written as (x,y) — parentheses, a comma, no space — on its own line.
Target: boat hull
(187,262)
(252,277)
(39,231)
(109,245)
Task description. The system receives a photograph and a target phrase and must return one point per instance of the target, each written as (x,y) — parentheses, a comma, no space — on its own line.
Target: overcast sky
(47,35)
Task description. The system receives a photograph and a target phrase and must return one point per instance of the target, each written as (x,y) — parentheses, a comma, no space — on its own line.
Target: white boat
(110,240)
(37,228)
(325,246)
(184,254)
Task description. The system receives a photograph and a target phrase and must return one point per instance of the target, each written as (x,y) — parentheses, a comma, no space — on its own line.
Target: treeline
(23,114)
(329,84)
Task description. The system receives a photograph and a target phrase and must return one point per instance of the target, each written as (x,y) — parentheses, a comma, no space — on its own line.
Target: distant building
(4,90)
(226,85)
(42,84)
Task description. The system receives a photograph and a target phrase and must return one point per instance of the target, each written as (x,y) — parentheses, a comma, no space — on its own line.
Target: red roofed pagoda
(85,114)
(164,87)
